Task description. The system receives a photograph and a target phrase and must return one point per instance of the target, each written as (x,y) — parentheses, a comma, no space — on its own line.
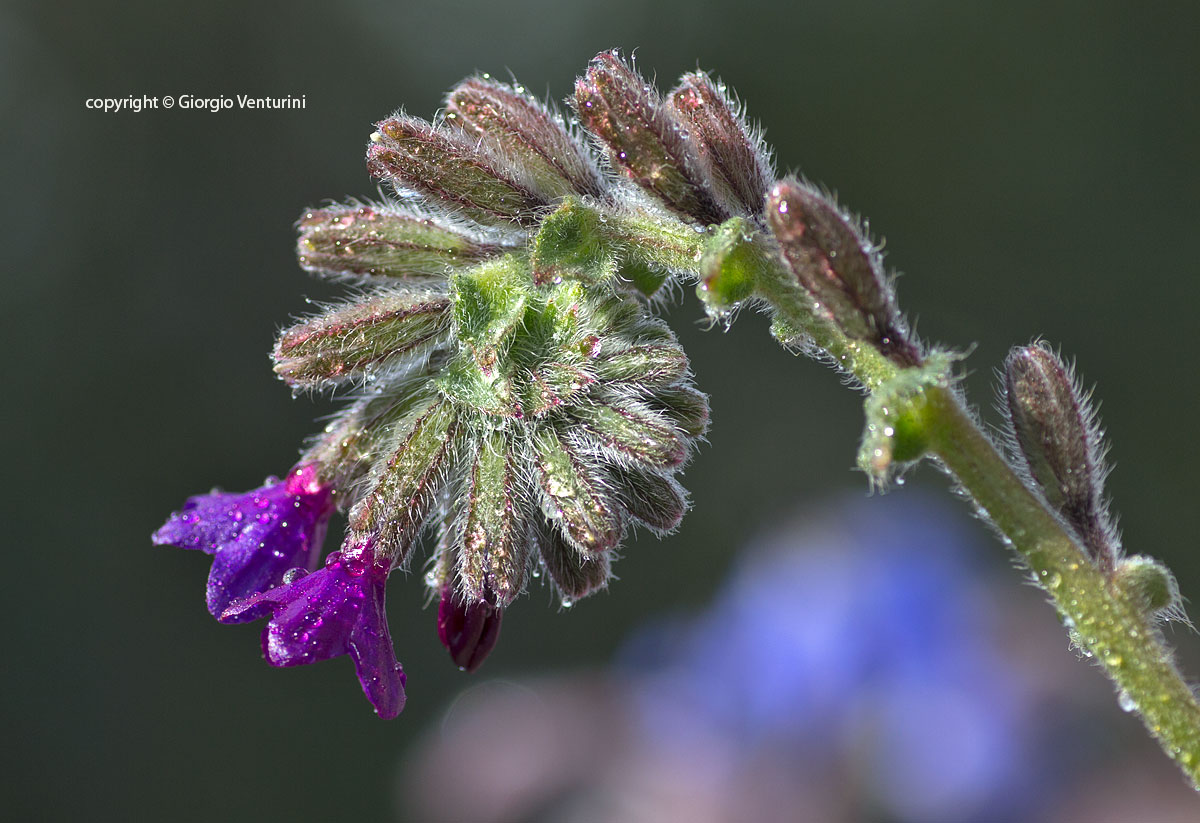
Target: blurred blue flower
(861,639)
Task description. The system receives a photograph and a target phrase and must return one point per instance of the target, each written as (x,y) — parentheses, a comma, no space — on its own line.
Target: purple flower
(333,611)
(255,537)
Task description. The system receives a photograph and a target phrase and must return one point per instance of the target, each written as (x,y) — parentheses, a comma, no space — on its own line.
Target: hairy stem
(1105,621)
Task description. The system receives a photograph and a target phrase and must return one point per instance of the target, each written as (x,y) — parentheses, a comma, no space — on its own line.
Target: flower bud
(632,431)
(404,488)
(357,339)
(468,629)
(839,267)
(494,551)
(465,173)
(652,365)
(529,133)
(652,499)
(574,495)
(575,574)
(1060,444)
(643,138)
(356,240)
(733,155)
(685,407)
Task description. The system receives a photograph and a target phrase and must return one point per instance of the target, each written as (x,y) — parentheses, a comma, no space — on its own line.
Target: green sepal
(731,265)
(489,301)
(1149,583)
(469,385)
(571,243)
(897,421)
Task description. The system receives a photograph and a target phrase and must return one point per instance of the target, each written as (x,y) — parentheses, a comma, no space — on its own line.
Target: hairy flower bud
(528,132)
(392,515)
(1060,444)
(385,241)
(737,163)
(495,539)
(358,339)
(832,259)
(574,574)
(464,173)
(643,138)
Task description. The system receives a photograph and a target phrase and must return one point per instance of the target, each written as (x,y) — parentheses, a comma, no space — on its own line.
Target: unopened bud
(734,157)
(356,340)
(465,173)
(652,499)
(407,483)
(574,574)
(495,543)
(1060,444)
(643,138)
(529,133)
(843,271)
(360,240)
(468,629)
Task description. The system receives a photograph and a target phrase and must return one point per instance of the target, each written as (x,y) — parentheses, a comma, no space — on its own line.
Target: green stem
(1105,621)
(1107,624)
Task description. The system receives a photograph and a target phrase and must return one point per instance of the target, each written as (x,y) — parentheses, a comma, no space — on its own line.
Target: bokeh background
(1033,167)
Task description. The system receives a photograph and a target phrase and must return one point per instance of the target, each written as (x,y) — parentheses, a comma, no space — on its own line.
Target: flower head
(336,610)
(255,537)
(514,394)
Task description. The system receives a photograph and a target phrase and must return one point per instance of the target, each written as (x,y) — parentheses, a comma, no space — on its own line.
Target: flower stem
(1106,621)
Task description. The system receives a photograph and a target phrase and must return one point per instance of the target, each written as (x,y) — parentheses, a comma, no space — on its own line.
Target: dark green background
(1033,166)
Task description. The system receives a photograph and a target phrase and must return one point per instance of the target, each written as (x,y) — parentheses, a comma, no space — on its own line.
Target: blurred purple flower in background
(854,668)
(863,640)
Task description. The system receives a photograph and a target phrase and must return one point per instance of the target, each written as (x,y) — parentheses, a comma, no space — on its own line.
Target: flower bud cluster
(513,394)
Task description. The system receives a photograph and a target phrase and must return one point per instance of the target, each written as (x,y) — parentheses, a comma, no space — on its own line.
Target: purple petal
(256,537)
(336,610)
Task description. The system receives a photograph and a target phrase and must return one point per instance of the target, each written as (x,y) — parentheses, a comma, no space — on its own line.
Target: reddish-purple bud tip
(468,630)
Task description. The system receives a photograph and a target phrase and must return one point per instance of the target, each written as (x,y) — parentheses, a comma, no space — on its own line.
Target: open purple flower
(255,537)
(336,610)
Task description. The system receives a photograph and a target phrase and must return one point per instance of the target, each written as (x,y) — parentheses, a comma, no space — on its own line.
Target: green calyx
(599,245)
(897,431)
